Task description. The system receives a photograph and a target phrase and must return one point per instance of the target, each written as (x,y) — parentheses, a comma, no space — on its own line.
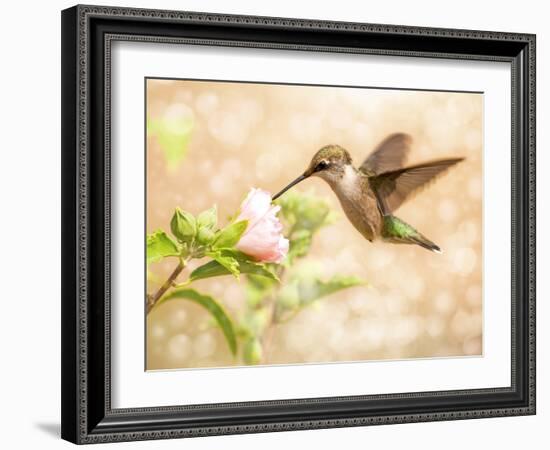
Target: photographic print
(294,224)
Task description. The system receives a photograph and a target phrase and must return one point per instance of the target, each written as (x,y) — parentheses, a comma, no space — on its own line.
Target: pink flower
(262,239)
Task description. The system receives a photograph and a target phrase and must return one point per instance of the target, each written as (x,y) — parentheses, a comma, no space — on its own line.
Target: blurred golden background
(241,135)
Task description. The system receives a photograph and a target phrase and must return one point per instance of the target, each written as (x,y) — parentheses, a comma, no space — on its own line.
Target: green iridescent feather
(397,231)
(395,227)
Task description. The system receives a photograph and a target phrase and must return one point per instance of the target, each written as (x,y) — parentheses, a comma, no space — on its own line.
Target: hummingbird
(371,193)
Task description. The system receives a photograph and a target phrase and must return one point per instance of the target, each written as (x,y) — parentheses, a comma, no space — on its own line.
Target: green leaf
(215,269)
(258,288)
(227,261)
(311,289)
(173,135)
(208,219)
(253,351)
(305,211)
(160,245)
(289,296)
(214,307)
(300,243)
(183,225)
(255,321)
(230,235)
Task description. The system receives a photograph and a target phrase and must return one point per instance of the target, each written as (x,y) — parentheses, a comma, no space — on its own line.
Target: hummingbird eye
(321,165)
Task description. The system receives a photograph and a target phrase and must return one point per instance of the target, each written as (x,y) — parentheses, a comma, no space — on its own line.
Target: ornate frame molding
(88,32)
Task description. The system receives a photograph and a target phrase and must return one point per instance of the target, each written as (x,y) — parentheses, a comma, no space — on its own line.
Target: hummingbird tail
(426,243)
(397,231)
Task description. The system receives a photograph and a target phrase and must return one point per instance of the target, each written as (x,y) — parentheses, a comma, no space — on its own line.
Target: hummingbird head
(329,163)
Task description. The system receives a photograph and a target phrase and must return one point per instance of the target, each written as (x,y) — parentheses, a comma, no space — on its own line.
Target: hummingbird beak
(296,181)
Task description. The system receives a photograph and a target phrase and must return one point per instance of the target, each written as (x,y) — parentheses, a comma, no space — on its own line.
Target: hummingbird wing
(390,154)
(395,187)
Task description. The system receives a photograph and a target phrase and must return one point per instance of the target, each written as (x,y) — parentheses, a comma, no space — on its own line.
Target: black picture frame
(87,33)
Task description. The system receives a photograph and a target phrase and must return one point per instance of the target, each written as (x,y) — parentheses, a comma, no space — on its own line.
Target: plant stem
(269,333)
(267,340)
(152,300)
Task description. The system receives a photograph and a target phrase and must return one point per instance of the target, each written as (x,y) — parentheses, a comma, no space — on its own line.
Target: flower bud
(205,236)
(208,219)
(183,225)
